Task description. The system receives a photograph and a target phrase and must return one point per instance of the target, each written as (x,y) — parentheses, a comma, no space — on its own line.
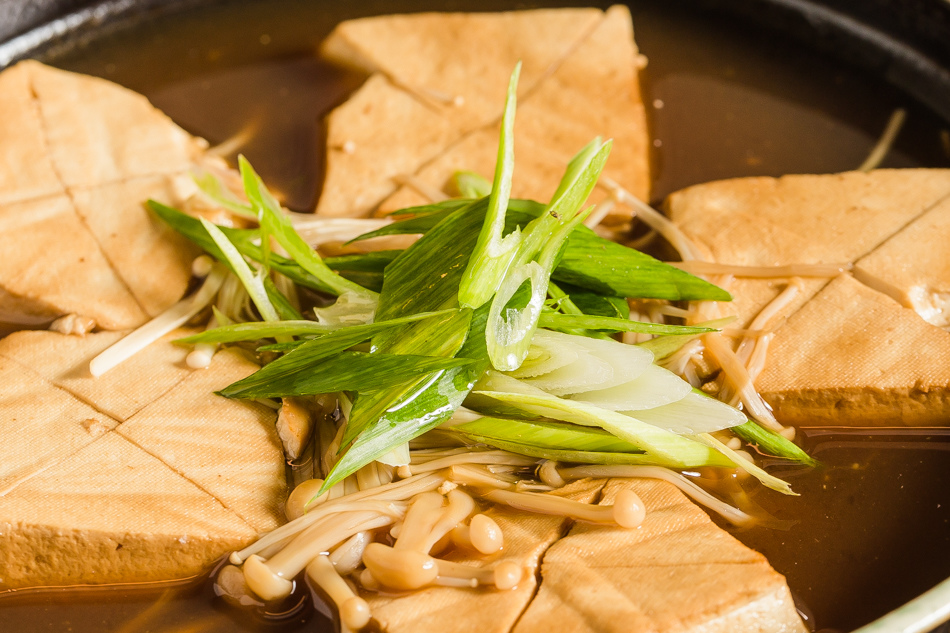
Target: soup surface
(871,528)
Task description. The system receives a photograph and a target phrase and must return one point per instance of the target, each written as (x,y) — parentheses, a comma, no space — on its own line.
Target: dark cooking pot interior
(906,42)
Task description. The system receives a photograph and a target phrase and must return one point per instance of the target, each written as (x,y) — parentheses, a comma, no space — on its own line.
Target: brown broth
(725,101)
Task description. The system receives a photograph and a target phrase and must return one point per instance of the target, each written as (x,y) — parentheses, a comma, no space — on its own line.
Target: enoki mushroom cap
(629,511)
(400,569)
(263,581)
(485,534)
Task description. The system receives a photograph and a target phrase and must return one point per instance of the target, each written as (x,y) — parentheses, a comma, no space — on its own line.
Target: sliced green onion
(510,330)
(254,330)
(772,442)
(280,226)
(769,481)
(212,187)
(664,346)
(347,371)
(494,252)
(667,448)
(253,282)
(471,185)
(555,435)
(555,320)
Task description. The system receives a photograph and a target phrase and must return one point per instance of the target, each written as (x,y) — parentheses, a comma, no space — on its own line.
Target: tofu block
(459,63)
(119,393)
(594,91)
(98,132)
(379,133)
(854,355)
(26,171)
(53,266)
(579,80)
(111,513)
(78,158)
(152,259)
(808,219)
(675,573)
(913,266)
(527,536)
(228,448)
(40,424)
(849,354)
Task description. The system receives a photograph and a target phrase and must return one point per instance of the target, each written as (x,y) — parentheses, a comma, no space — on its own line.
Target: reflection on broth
(762,116)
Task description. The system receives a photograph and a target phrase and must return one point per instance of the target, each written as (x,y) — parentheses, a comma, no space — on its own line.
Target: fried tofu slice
(593,92)
(53,266)
(150,258)
(588,87)
(676,573)
(808,219)
(79,157)
(26,171)
(111,513)
(228,448)
(98,132)
(913,266)
(458,63)
(120,393)
(832,363)
(40,424)
(854,354)
(379,133)
(527,536)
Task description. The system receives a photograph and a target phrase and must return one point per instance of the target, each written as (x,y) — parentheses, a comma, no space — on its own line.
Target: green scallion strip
(772,443)
(273,219)
(471,185)
(495,251)
(556,435)
(554,320)
(253,282)
(214,189)
(663,346)
(350,371)
(253,331)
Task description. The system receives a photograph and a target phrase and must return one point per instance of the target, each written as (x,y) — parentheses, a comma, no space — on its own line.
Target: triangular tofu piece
(593,92)
(527,536)
(79,158)
(150,257)
(111,513)
(379,133)
(807,219)
(122,391)
(458,63)
(26,171)
(98,132)
(228,448)
(53,266)
(676,572)
(854,354)
(40,424)
(913,266)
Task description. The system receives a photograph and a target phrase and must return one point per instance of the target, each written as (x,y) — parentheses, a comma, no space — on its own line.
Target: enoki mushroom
(394,536)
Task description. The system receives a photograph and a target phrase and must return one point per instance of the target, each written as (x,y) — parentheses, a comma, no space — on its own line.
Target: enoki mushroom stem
(354,611)
(627,510)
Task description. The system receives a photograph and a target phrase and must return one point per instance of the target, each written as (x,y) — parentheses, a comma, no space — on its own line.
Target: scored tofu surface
(829,364)
(580,86)
(111,513)
(79,157)
(676,572)
(207,473)
(854,354)
(913,266)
